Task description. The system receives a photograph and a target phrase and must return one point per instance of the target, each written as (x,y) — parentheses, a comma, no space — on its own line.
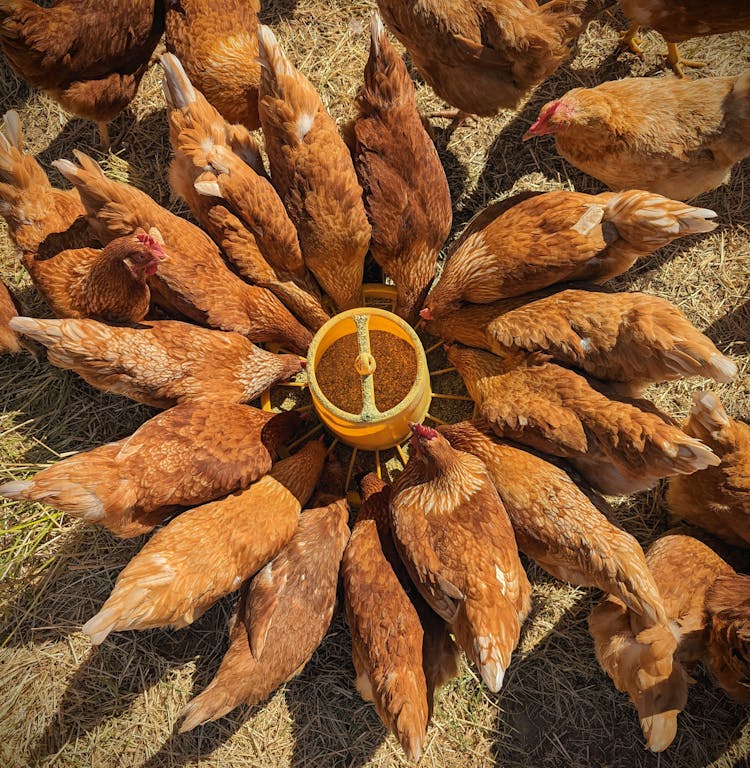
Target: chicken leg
(677,62)
(629,38)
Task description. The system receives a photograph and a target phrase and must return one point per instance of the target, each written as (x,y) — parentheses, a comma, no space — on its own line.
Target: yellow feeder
(370,429)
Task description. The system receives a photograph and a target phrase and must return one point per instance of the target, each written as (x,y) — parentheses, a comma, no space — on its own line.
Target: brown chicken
(559,527)
(484,55)
(281,619)
(217,43)
(718,498)
(194,281)
(208,552)
(534,240)
(405,190)
(109,283)
(185,456)
(89,56)
(161,362)
(42,221)
(9,340)
(678,20)
(457,544)
(620,447)
(710,611)
(678,138)
(218,171)
(629,338)
(399,657)
(313,173)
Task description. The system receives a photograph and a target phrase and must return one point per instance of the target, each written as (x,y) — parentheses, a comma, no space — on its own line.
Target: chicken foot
(677,62)
(456,116)
(630,39)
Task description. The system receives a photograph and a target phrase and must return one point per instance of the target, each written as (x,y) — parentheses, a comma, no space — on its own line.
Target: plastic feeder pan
(370,429)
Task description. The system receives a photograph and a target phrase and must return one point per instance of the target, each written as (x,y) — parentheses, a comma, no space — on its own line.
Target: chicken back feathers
(649,664)
(387,635)
(406,193)
(620,447)
(557,237)
(678,138)
(161,362)
(42,221)
(483,55)
(208,552)
(457,543)
(314,175)
(193,281)
(718,498)
(217,43)
(174,460)
(89,56)
(282,617)
(217,169)
(559,527)
(628,337)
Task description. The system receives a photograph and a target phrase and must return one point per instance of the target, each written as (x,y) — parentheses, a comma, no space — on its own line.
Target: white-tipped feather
(725,370)
(709,412)
(46,332)
(178,89)
(270,54)
(208,188)
(13,129)
(67,168)
(376,30)
(100,626)
(16,489)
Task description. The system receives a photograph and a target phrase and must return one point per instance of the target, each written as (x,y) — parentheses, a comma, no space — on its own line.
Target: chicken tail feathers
(47,332)
(100,626)
(19,173)
(211,704)
(488,637)
(707,416)
(387,82)
(649,221)
(643,667)
(178,90)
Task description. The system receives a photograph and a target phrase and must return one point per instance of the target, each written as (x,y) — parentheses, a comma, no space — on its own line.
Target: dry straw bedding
(63,703)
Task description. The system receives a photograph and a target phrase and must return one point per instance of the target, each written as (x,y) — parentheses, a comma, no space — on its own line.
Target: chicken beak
(528,135)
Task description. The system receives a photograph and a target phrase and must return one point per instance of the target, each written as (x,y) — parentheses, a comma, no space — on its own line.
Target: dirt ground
(64,703)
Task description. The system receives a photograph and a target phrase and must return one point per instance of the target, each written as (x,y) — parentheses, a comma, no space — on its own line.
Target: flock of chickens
(554,362)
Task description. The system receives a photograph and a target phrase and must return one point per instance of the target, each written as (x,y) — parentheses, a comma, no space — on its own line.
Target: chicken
(484,55)
(109,283)
(560,527)
(630,338)
(88,56)
(620,447)
(194,281)
(405,190)
(718,498)
(678,138)
(728,647)
(217,42)
(42,221)
(398,662)
(707,603)
(161,362)
(208,552)
(457,544)
(185,456)
(534,240)
(314,176)
(218,171)
(678,20)
(282,617)
(9,340)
